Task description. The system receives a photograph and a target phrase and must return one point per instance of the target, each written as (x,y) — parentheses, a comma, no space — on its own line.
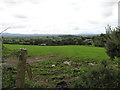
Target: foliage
(29,84)
(6,52)
(100,76)
(100,40)
(8,77)
(113,42)
(78,71)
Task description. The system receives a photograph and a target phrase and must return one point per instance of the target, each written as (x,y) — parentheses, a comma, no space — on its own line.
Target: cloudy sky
(58,16)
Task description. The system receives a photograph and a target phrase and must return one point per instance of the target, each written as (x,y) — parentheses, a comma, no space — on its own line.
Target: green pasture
(82,52)
(47,76)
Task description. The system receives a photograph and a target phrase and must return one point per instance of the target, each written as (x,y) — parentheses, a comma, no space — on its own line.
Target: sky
(58,16)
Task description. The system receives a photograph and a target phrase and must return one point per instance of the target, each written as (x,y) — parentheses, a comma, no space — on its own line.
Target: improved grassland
(82,52)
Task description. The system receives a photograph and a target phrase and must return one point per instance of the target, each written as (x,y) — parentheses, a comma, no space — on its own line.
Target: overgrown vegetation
(8,77)
(103,75)
(46,74)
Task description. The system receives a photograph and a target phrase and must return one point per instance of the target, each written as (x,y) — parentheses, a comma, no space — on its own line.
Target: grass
(47,76)
(82,52)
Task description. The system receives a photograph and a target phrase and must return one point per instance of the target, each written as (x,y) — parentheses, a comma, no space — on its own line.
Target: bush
(8,77)
(8,52)
(100,76)
(113,42)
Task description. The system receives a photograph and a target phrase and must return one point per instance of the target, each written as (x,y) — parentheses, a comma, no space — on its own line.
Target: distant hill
(42,35)
(24,35)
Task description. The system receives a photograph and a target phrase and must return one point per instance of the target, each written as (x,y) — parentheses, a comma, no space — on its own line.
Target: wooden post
(21,68)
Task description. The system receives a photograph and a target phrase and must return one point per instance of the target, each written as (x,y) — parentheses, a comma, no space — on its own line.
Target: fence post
(21,68)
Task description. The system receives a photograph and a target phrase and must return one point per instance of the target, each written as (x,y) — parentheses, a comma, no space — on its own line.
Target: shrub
(100,76)
(113,42)
(8,77)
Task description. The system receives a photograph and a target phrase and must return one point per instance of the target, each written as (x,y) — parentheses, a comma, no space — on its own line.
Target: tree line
(50,40)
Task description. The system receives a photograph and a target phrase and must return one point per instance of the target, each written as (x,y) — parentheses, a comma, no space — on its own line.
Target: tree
(113,42)
(99,40)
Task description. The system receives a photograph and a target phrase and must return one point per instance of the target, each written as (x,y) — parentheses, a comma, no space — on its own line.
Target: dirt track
(13,61)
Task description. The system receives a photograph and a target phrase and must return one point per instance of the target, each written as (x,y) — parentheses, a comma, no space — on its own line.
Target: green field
(82,52)
(45,75)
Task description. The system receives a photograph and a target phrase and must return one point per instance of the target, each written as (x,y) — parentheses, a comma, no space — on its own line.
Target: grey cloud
(76,28)
(73,3)
(10,1)
(108,4)
(107,14)
(107,8)
(35,30)
(75,6)
(1,9)
(34,1)
(92,22)
(77,9)
(20,26)
(3,24)
(20,16)
(21,1)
